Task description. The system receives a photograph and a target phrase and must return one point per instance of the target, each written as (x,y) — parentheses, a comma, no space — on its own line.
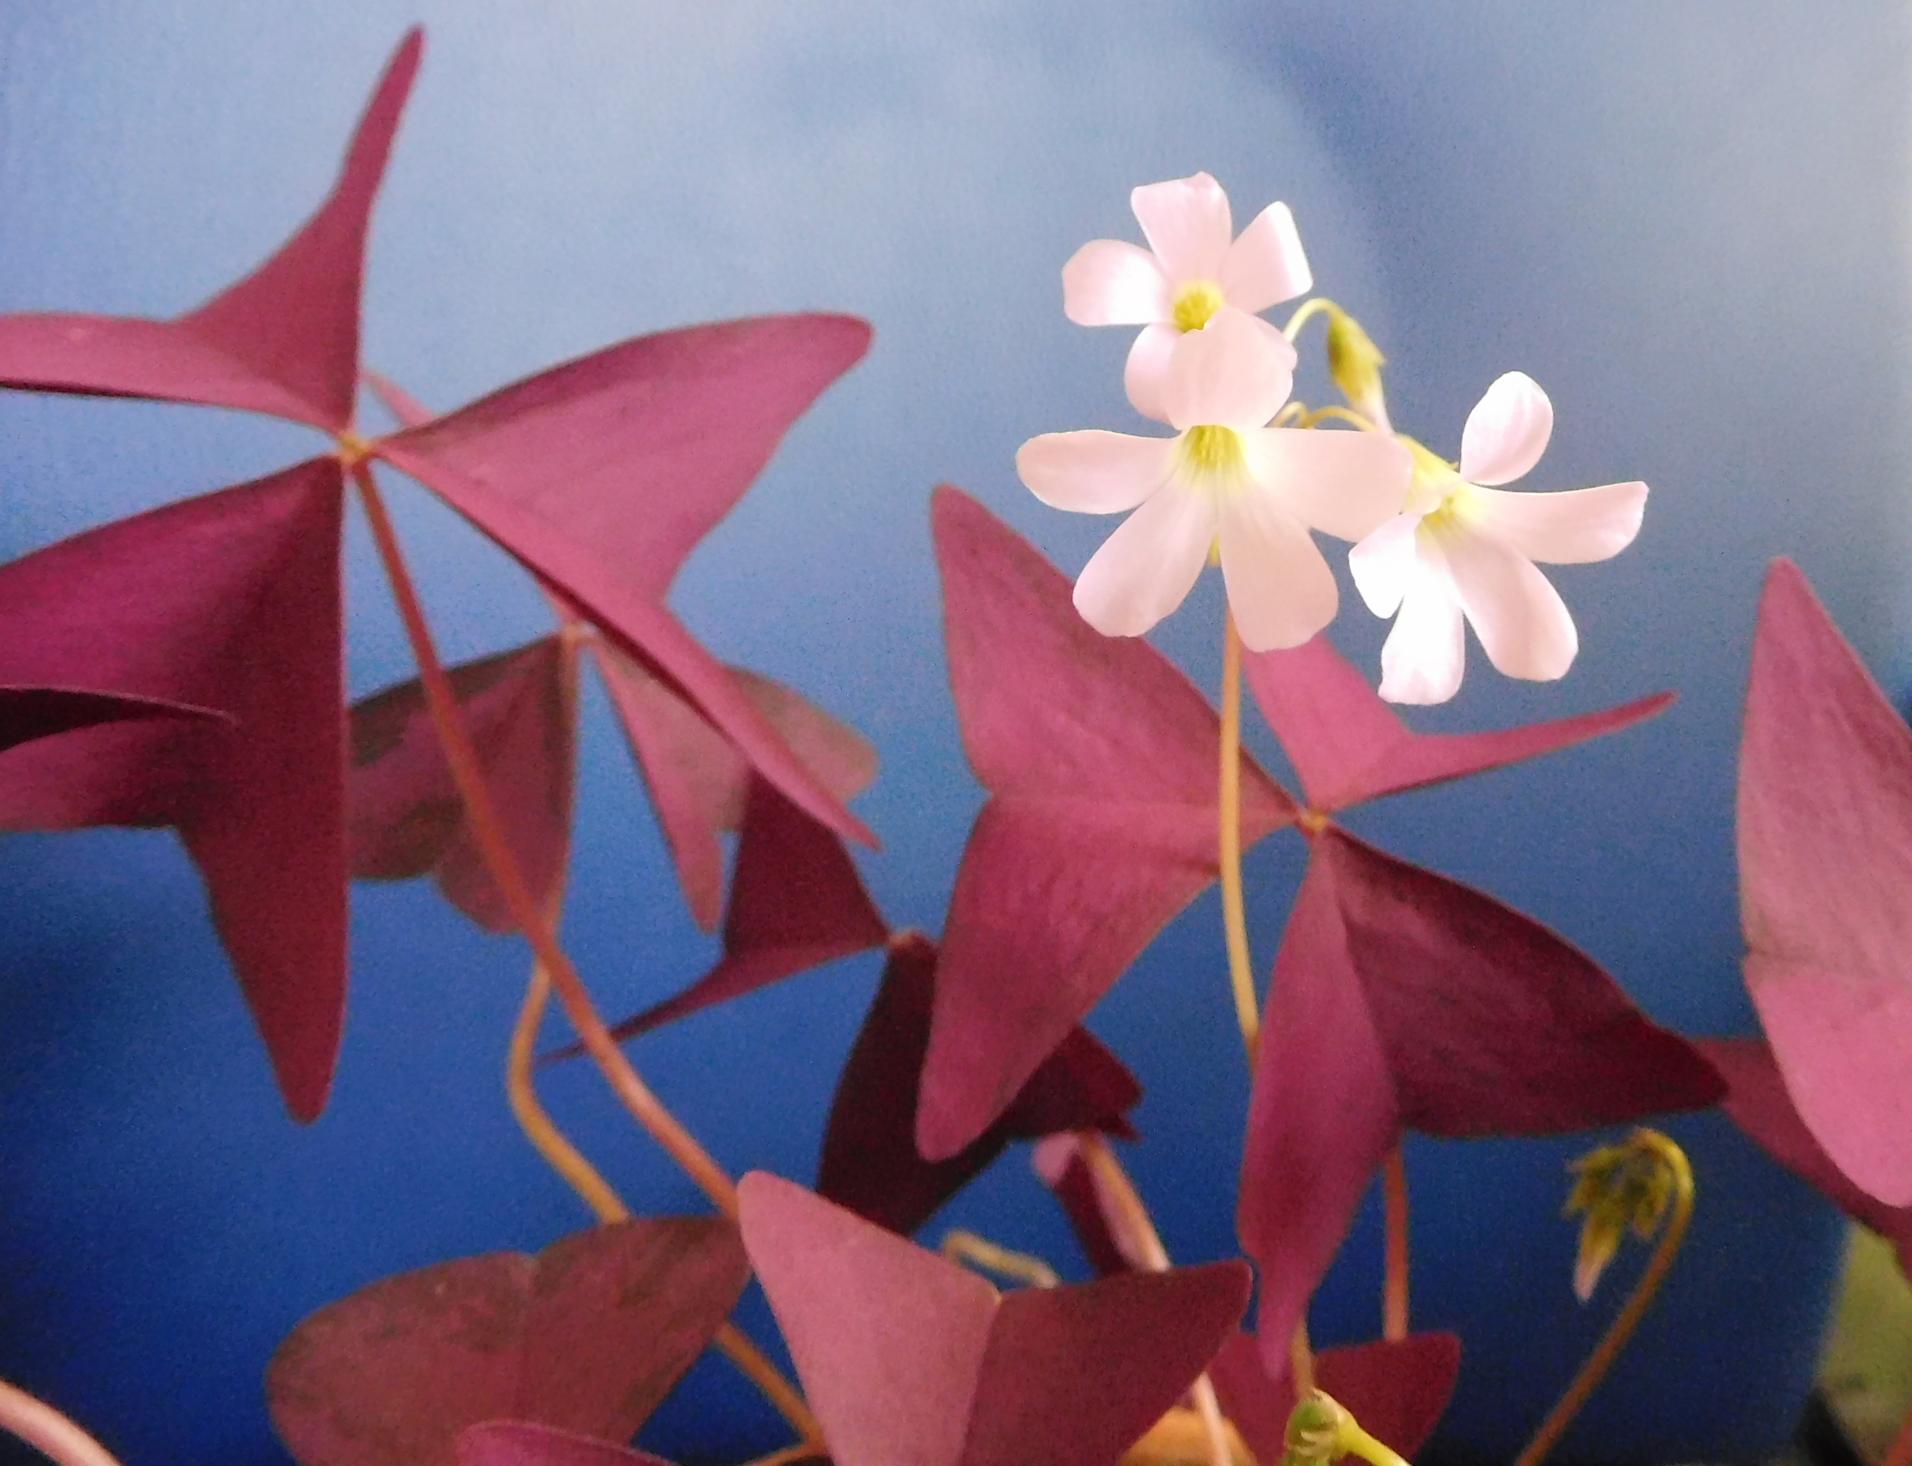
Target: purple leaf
(1348,746)
(1825,864)
(1403,1001)
(29,713)
(1100,760)
(283,341)
(517,1443)
(406,815)
(909,1360)
(228,601)
(870,1163)
(1397,1390)
(588,1336)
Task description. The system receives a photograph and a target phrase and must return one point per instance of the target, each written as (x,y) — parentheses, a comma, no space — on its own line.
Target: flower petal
(1514,610)
(1188,225)
(1426,652)
(1507,431)
(1575,527)
(1229,373)
(1383,564)
(1280,589)
(1094,472)
(1109,282)
(1145,569)
(1348,484)
(1266,265)
(1146,374)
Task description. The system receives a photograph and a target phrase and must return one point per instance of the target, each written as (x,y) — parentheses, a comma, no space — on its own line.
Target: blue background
(1688,222)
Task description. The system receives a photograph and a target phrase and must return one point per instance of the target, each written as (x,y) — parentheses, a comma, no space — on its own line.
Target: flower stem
(1621,1330)
(1301,1361)
(1241,972)
(1005,1262)
(1334,412)
(487,829)
(1394,1298)
(32,1420)
(1307,311)
(1131,1215)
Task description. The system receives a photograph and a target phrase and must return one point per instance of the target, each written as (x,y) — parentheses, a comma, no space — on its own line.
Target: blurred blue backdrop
(1689,223)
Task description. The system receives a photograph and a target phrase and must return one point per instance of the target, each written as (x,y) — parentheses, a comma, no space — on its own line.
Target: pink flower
(1194,269)
(1462,550)
(1227,483)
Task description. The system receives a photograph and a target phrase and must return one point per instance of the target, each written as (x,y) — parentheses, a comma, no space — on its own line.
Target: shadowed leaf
(1397,1391)
(1100,760)
(588,1336)
(228,601)
(516,1443)
(406,816)
(911,1361)
(1403,1001)
(29,713)
(870,1163)
(1825,864)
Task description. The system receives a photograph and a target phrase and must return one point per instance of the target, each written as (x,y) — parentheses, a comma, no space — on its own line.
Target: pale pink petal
(1146,375)
(1227,373)
(1575,527)
(1519,617)
(1384,564)
(1280,589)
(1145,569)
(1187,224)
(1426,651)
(1109,282)
(1266,265)
(1278,344)
(1507,431)
(1094,472)
(1346,483)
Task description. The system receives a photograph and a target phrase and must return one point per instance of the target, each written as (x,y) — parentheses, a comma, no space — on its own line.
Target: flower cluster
(1246,482)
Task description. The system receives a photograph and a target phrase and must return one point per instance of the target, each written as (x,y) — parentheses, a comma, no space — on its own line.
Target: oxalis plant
(183,668)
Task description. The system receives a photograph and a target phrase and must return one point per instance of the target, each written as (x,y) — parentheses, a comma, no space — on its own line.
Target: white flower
(1228,482)
(1194,270)
(1462,549)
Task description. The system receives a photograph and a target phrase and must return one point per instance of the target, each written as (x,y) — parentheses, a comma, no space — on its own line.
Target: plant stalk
(1241,971)
(1394,1302)
(30,1419)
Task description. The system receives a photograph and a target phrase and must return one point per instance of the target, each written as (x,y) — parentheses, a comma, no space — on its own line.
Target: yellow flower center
(1214,454)
(1196,305)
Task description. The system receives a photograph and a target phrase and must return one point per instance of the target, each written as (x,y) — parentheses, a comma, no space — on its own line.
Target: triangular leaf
(1402,1001)
(602,474)
(228,601)
(283,341)
(1825,862)
(911,1361)
(697,777)
(589,1336)
(518,1443)
(1348,746)
(29,713)
(1100,758)
(870,1163)
(406,815)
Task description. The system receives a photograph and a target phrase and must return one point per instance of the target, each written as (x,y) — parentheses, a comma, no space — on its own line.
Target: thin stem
(32,1420)
(1305,312)
(1621,1330)
(487,829)
(1133,1220)
(1394,1298)
(1301,1361)
(1241,971)
(1335,412)
(1899,1453)
(1004,1262)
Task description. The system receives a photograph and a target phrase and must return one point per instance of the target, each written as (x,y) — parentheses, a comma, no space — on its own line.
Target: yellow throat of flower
(1196,304)
(1214,457)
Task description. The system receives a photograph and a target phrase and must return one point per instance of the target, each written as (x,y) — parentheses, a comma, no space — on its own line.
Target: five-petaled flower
(1227,482)
(1194,270)
(1462,549)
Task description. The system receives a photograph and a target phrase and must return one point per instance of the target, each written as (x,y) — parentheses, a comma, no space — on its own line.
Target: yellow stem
(32,1420)
(1394,1298)
(1621,1330)
(1005,1262)
(1305,312)
(571,1163)
(1241,972)
(1335,412)
(1132,1214)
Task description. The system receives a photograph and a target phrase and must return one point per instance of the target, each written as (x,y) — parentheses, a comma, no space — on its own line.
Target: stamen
(1196,305)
